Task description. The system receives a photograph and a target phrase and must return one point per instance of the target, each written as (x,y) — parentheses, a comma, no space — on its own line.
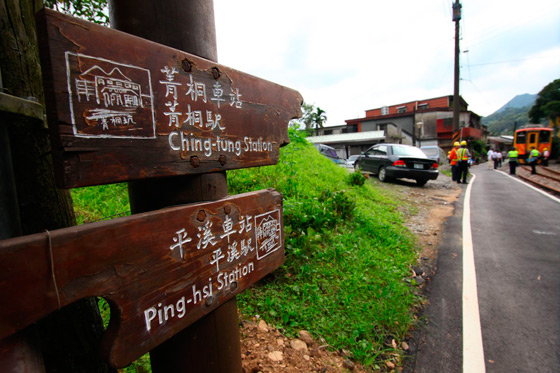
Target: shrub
(356,178)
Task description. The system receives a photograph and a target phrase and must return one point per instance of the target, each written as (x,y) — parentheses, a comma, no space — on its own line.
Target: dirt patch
(265,349)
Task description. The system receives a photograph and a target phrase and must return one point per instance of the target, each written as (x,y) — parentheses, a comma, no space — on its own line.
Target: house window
(422,106)
(328,132)
(401,109)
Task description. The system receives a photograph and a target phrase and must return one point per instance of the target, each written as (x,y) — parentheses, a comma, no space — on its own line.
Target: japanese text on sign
(238,242)
(114,100)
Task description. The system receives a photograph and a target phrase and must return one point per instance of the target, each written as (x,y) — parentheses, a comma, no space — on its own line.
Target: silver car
(351,160)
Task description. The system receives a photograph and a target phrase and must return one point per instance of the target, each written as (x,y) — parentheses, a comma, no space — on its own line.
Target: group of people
(533,157)
(459,159)
(495,158)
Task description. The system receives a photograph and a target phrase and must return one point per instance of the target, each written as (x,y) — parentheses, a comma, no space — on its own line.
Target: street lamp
(419,127)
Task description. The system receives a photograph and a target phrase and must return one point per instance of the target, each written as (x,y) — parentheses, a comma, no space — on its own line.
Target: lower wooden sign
(160,271)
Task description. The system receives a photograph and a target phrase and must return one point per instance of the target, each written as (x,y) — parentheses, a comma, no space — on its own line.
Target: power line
(518,60)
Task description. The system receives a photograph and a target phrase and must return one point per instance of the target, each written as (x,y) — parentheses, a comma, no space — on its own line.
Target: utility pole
(456,18)
(212,343)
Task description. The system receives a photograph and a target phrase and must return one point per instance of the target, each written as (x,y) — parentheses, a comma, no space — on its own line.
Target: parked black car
(398,161)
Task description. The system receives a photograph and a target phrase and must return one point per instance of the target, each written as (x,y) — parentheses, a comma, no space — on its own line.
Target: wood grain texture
(124,108)
(155,287)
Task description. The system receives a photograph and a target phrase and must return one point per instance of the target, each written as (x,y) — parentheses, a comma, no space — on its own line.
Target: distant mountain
(519,101)
(503,122)
(514,113)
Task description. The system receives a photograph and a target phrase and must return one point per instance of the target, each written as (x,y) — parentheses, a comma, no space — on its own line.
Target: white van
(436,153)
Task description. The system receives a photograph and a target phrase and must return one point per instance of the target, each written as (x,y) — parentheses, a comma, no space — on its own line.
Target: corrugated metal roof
(501,139)
(347,137)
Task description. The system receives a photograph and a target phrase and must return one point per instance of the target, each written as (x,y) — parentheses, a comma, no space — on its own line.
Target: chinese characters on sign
(236,242)
(162,270)
(114,100)
(122,108)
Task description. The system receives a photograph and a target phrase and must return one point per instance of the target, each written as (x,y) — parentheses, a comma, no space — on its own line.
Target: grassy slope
(347,253)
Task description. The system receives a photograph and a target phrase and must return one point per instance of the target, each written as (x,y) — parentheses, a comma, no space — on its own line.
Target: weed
(356,178)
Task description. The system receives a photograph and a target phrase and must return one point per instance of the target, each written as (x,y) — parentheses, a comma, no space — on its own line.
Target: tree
(69,338)
(547,104)
(313,117)
(92,10)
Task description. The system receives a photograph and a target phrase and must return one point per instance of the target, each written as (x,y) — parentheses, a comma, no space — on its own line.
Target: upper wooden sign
(160,271)
(124,108)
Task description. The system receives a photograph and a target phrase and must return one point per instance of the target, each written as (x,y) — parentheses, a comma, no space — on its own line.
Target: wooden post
(212,343)
(20,352)
(41,205)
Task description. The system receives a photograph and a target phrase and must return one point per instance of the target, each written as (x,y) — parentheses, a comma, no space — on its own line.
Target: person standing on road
(546,154)
(495,158)
(535,154)
(499,156)
(490,159)
(453,160)
(512,155)
(463,167)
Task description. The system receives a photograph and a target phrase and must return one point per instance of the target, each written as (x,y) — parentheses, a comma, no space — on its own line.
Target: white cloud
(347,57)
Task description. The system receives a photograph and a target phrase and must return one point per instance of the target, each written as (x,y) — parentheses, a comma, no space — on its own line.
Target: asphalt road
(515,234)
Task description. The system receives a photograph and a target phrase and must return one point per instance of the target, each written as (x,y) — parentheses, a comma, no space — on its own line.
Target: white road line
(530,186)
(473,352)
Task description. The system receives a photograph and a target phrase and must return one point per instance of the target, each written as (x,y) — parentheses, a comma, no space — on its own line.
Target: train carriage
(532,135)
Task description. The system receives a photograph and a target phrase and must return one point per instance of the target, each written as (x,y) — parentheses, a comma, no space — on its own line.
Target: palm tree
(319,117)
(313,117)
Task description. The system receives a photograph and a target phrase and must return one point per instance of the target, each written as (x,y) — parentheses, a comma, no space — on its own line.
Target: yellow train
(532,135)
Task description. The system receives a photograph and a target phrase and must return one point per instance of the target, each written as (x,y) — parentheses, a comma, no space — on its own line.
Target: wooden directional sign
(160,271)
(125,108)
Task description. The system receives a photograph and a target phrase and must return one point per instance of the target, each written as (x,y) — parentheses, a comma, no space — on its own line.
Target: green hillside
(514,114)
(503,122)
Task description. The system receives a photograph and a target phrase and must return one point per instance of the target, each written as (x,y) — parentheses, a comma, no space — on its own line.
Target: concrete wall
(403,122)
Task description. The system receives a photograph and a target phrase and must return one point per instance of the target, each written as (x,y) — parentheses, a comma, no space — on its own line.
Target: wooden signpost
(160,271)
(121,108)
(124,108)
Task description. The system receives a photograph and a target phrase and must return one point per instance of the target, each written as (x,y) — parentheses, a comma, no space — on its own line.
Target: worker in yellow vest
(463,156)
(513,154)
(453,161)
(533,159)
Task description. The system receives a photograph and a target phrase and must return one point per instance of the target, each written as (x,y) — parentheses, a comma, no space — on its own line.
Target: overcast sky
(350,56)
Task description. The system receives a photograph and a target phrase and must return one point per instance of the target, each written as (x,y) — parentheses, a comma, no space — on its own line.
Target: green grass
(347,254)
(100,202)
